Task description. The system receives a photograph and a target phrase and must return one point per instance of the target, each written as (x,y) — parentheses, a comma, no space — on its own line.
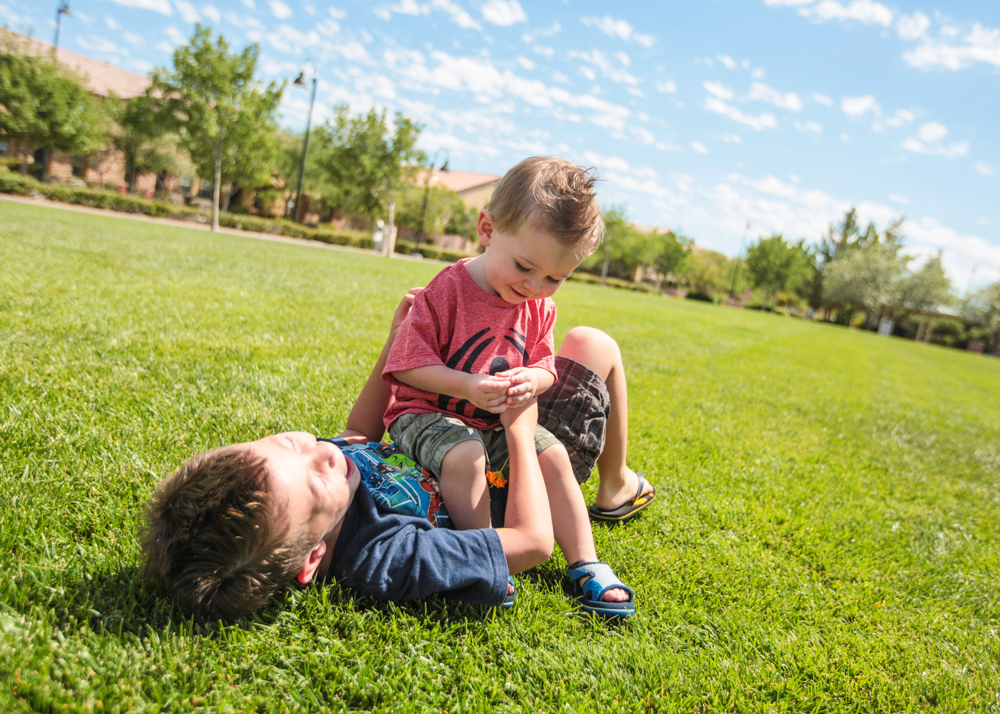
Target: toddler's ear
(484,226)
(313,560)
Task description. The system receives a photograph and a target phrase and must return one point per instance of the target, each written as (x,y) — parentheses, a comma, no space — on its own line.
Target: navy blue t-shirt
(395,556)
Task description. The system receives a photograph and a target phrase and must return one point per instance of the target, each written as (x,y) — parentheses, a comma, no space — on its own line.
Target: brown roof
(456,181)
(101,79)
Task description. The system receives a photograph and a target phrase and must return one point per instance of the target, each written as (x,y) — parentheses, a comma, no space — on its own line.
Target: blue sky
(700,117)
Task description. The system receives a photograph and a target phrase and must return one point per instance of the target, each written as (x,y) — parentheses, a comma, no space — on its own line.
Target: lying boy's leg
(600,353)
(453,452)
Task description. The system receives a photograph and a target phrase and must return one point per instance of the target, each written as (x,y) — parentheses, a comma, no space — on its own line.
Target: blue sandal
(508,600)
(587,583)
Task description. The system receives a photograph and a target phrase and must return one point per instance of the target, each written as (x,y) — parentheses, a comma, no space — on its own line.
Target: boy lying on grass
(233,526)
(479,341)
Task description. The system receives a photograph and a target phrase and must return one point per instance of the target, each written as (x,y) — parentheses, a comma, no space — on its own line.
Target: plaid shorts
(576,411)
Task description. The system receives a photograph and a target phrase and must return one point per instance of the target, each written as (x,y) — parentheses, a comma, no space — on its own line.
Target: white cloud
(932,131)
(981,44)
(187,11)
(608,69)
(718,90)
(111,23)
(983,169)
(335,13)
(897,198)
(667,86)
(930,140)
(175,35)
(822,99)
(761,121)
(763,93)
(865,11)
(530,37)
(160,6)
(809,127)
(525,62)
(859,106)
(912,27)
(458,15)
(291,40)
(211,12)
(410,7)
(732,138)
(727,61)
(279,9)
(503,12)
(134,38)
(962,253)
(782,3)
(902,116)
(698,147)
(618,28)
(606,163)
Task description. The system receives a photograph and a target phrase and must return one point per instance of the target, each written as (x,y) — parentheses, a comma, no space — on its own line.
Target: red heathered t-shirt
(456,323)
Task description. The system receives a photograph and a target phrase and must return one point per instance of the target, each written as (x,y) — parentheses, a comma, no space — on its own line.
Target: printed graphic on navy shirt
(396,482)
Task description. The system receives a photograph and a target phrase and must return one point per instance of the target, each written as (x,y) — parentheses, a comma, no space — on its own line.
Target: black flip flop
(627,511)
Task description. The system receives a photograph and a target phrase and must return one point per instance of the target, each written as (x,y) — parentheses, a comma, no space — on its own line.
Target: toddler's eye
(522,268)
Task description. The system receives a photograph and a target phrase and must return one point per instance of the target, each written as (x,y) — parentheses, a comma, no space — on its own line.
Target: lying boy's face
(312,481)
(528,264)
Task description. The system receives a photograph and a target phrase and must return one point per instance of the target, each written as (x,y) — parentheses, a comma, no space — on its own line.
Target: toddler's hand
(487,392)
(523,387)
(403,309)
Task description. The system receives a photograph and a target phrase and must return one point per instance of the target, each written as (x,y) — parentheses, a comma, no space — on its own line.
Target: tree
(668,253)
(366,162)
(707,271)
(430,208)
(927,288)
(776,266)
(867,280)
(141,136)
(44,105)
(225,119)
(982,308)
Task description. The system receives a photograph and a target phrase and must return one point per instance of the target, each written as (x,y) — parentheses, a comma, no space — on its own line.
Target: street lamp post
(427,190)
(736,268)
(63,9)
(300,82)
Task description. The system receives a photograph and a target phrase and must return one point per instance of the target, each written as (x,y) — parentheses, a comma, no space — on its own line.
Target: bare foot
(609,501)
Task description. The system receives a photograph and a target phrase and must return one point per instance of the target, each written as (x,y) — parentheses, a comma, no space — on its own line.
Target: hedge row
(112,200)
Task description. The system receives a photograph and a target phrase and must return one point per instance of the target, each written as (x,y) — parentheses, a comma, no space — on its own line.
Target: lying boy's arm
(365,423)
(486,391)
(526,383)
(526,537)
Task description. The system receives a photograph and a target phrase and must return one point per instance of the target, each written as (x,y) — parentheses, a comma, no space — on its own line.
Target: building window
(185,185)
(79,165)
(206,190)
(4,150)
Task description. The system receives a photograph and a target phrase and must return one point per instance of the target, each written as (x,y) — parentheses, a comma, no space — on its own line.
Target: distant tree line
(208,114)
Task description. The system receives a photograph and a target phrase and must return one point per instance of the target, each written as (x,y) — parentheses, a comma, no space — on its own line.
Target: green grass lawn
(825,536)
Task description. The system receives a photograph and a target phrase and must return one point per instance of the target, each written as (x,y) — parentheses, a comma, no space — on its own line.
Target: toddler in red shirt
(478,340)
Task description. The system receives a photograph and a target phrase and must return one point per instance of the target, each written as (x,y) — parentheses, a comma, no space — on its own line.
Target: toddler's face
(529,264)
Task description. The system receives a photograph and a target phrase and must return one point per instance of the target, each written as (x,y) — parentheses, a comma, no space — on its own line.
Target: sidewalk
(194,225)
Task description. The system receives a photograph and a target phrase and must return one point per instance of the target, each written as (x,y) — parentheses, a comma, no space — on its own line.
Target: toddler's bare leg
(570,520)
(599,352)
(463,485)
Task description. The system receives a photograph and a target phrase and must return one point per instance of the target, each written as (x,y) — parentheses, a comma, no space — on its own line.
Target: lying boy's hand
(487,392)
(403,309)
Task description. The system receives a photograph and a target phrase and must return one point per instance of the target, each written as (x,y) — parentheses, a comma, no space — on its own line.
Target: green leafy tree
(44,105)
(775,266)
(366,162)
(707,270)
(865,280)
(926,288)
(226,120)
(982,309)
(140,134)
(463,220)
(667,253)
(427,208)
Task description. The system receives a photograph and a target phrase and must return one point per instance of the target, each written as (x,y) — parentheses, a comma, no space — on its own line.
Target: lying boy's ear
(313,560)
(484,226)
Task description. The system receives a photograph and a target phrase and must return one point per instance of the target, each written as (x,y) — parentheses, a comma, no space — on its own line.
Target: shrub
(700,295)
